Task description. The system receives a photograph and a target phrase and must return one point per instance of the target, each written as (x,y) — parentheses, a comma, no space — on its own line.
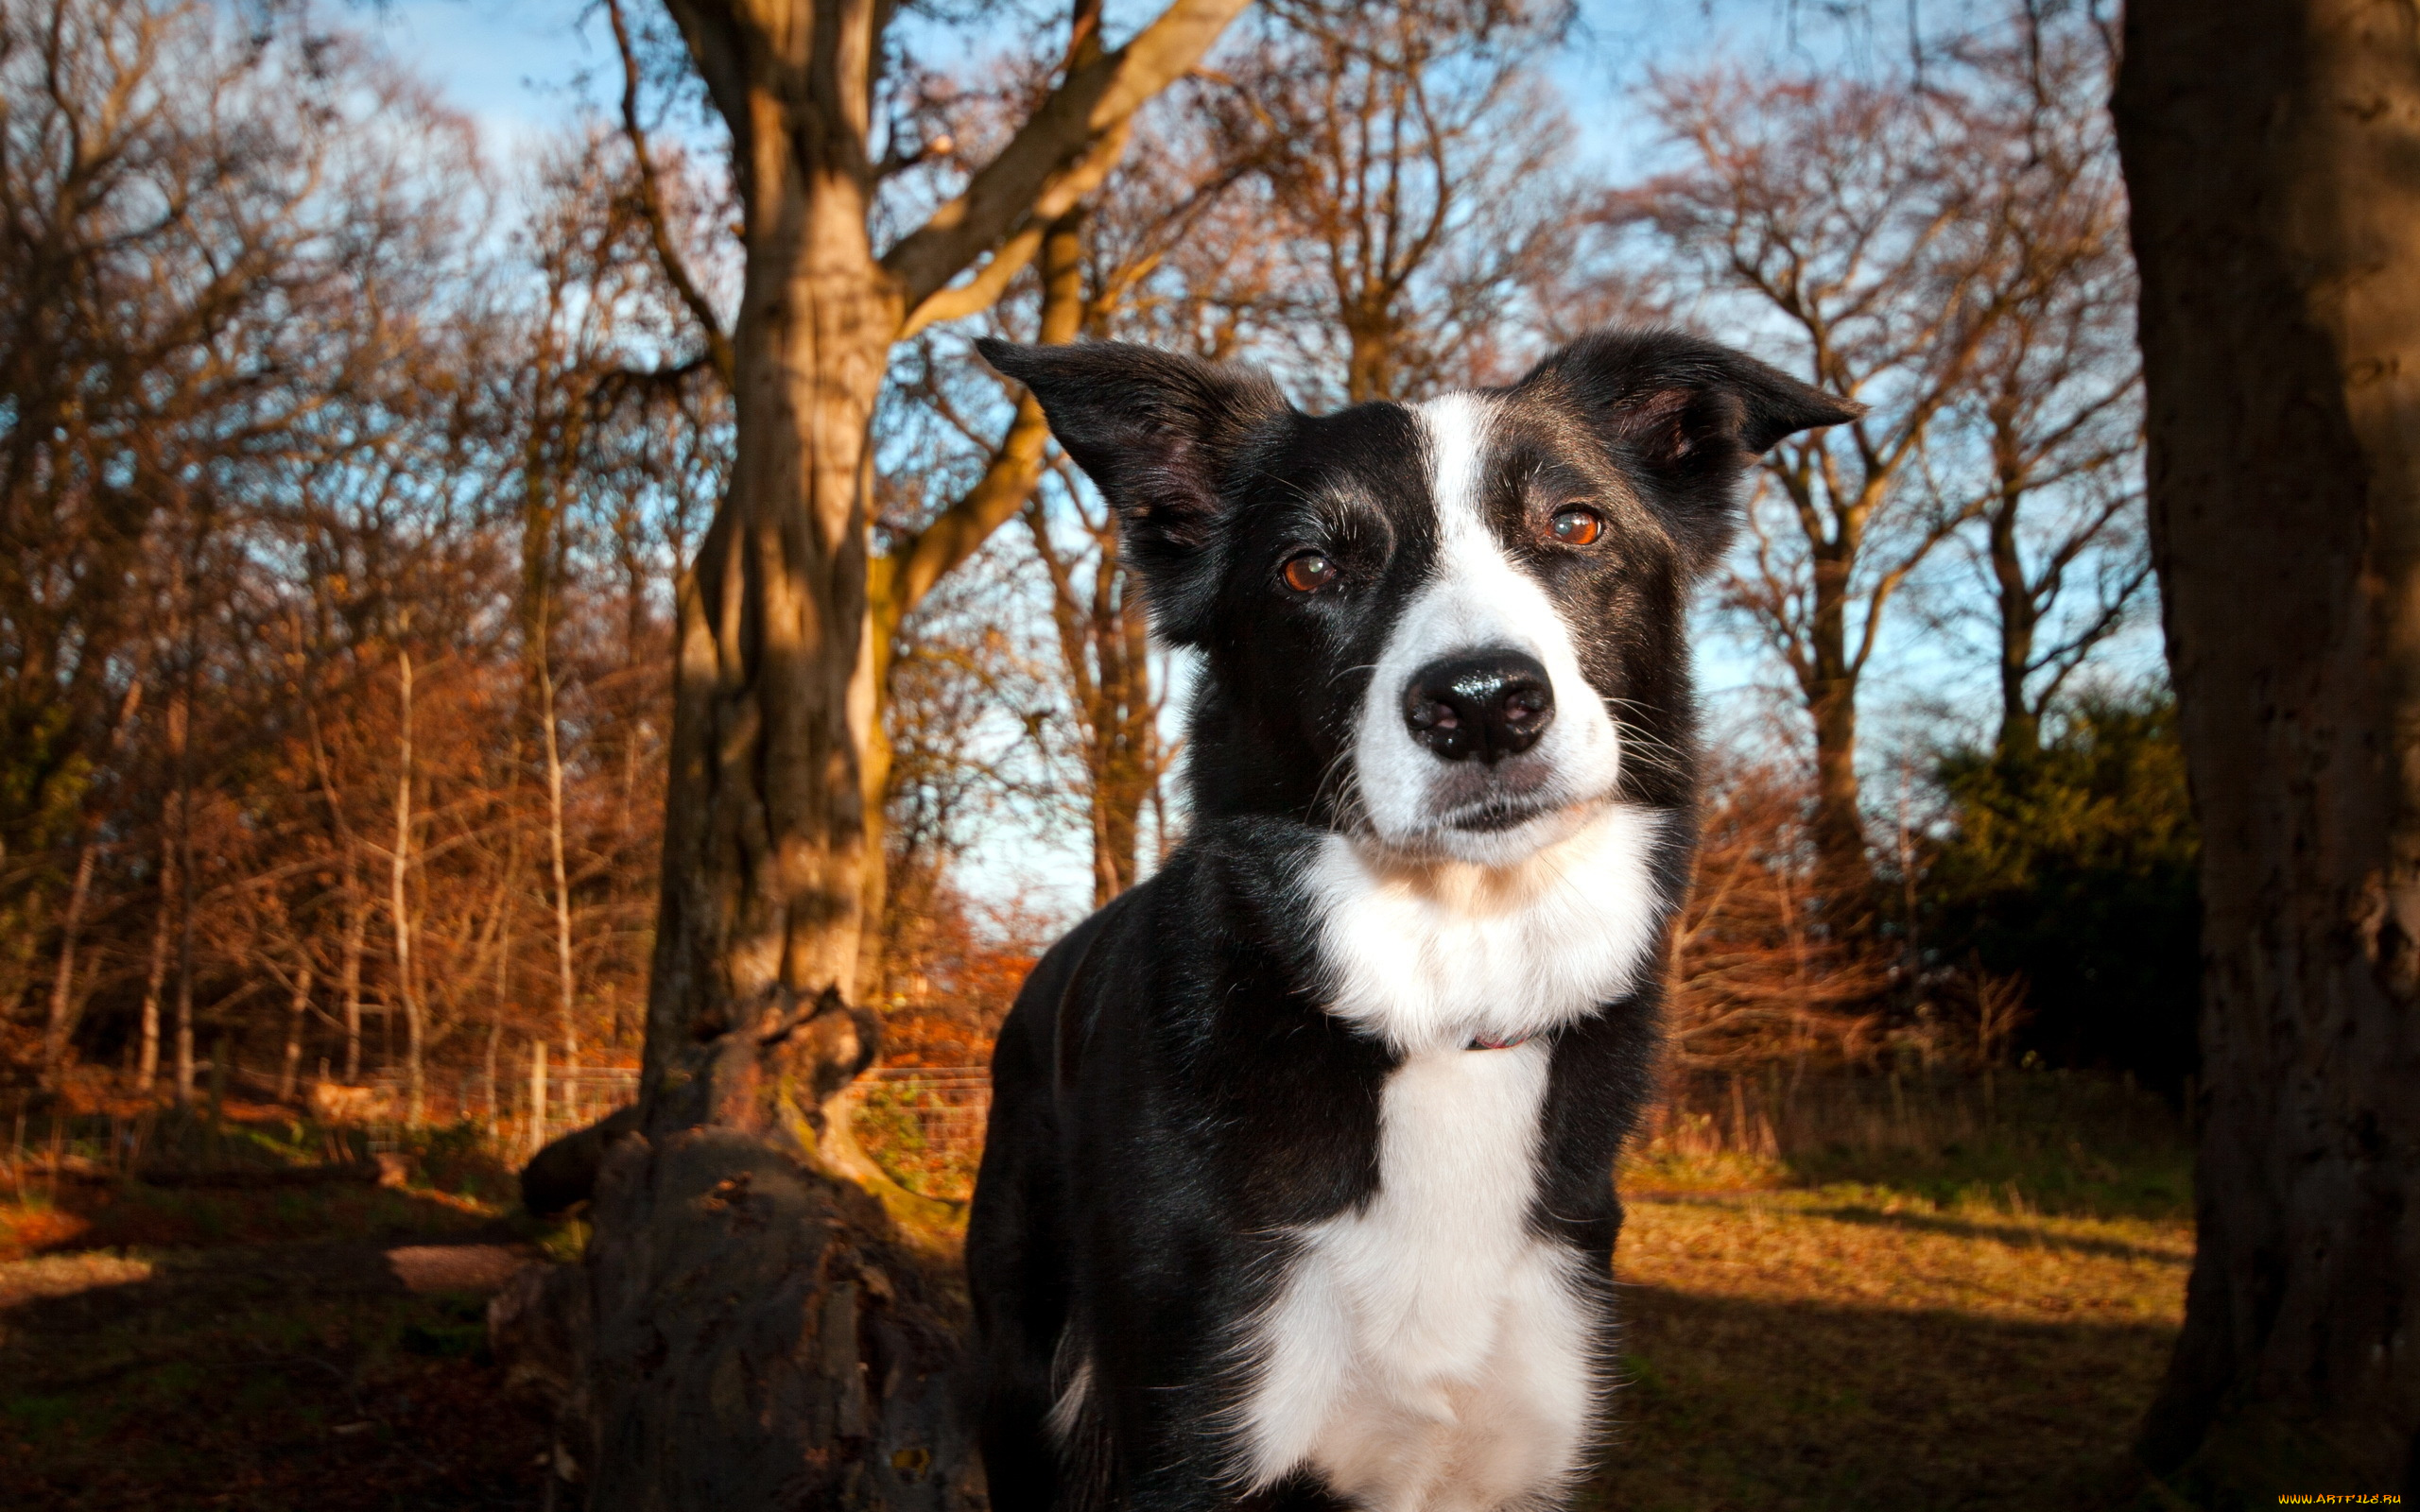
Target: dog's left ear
(1165,438)
(1686,415)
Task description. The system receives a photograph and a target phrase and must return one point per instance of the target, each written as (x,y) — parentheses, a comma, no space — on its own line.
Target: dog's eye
(1309,572)
(1576,525)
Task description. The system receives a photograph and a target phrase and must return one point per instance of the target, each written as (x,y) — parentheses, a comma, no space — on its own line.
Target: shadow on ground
(335,1376)
(1738,1404)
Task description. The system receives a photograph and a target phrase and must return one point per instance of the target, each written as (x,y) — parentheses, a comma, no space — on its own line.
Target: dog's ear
(1689,417)
(1163,436)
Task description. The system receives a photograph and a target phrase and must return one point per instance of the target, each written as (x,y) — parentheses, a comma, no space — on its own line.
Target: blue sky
(514,66)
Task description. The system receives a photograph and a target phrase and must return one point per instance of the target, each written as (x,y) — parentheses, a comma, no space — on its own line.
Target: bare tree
(1406,156)
(1828,219)
(2051,420)
(181,329)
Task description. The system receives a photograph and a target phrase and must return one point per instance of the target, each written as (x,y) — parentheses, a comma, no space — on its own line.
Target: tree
(1834,216)
(2276,226)
(1408,159)
(2070,869)
(2050,425)
(750,1032)
(185,335)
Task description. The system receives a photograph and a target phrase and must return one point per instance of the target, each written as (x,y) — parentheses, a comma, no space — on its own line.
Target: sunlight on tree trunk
(181,758)
(146,1063)
(565,986)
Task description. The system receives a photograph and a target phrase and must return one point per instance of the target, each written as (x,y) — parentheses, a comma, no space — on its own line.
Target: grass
(1939,1312)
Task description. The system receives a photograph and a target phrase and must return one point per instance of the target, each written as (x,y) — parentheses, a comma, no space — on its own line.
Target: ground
(319,1348)
(1859,1349)
(1919,1324)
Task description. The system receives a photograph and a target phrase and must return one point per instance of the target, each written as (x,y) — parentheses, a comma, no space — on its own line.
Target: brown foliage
(1762,968)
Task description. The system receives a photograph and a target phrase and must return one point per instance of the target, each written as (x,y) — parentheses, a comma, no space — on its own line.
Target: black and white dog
(1299,1184)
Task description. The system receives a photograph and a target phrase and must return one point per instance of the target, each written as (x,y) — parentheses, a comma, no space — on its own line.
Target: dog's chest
(1427,1353)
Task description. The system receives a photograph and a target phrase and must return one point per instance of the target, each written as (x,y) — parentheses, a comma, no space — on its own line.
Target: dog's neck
(1433,954)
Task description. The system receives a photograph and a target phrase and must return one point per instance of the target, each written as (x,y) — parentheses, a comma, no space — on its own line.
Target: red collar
(1480,1042)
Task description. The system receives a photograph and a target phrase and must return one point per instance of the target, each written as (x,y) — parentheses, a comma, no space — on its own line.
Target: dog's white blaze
(1477,598)
(1427,1353)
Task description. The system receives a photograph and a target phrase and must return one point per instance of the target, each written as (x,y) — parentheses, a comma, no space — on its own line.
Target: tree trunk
(291,1068)
(1839,819)
(1829,684)
(62,1024)
(1131,766)
(731,1310)
(146,1063)
(2268,151)
(1371,336)
(399,894)
(2020,735)
(564,984)
(1104,647)
(179,735)
(764,824)
(356,934)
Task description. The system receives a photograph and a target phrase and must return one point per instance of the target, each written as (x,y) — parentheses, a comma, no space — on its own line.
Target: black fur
(1169,1099)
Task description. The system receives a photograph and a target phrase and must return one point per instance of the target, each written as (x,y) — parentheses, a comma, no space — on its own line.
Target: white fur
(1427,1353)
(1476,599)
(1070,1406)
(1428,953)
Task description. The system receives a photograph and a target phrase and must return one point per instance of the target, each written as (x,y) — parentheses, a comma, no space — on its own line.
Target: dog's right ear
(1162,435)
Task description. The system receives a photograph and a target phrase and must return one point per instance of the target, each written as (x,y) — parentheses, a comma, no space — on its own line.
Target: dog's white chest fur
(1426,954)
(1427,1353)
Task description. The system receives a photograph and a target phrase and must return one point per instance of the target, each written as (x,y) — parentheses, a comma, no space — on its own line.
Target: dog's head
(1454,627)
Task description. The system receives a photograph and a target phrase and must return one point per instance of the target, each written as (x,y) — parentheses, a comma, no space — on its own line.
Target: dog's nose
(1488,705)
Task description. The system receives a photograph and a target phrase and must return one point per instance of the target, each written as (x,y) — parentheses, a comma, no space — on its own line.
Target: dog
(1298,1190)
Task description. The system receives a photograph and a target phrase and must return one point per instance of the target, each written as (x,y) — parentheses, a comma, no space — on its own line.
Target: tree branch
(908,573)
(984,289)
(1044,170)
(676,271)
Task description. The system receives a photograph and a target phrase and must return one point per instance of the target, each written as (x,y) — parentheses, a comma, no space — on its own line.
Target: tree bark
(357,932)
(180,744)
(566,985)
(2268,146)
(1839,813)
(61,1026)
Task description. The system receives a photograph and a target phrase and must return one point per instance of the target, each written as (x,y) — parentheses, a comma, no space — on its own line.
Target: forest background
(348,454)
